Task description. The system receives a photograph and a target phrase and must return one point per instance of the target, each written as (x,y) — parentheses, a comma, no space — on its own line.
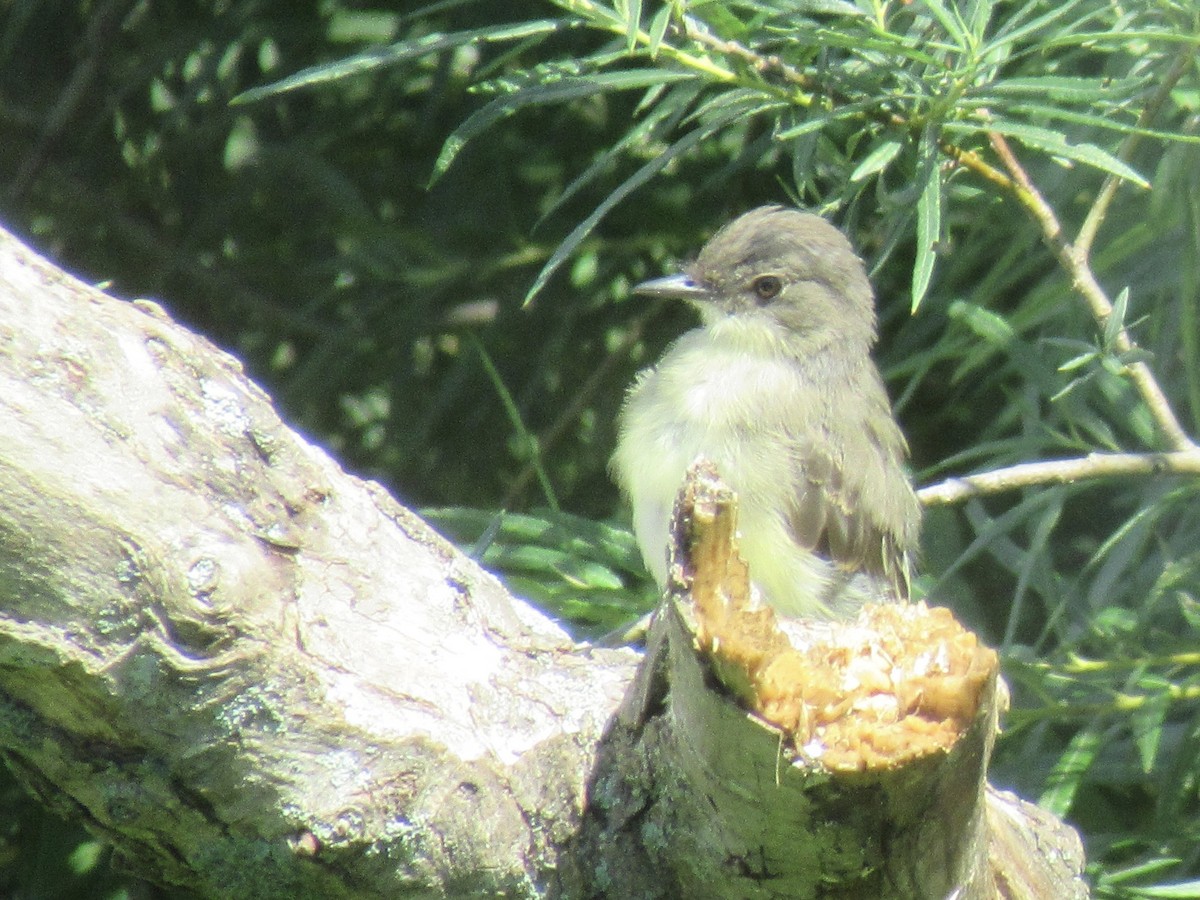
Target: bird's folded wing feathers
(855,505)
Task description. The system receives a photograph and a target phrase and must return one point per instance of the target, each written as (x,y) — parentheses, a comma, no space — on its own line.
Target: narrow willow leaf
(889,45)
(1140,872)
(1032,572)
(401,52)
(1055,144)
(721,20)
(876,161)
(1094,120)
(1013,31)
(527,439)
(1181,890)
(1116,318)
(993,533)
(532,559)
(743,102)
(633,24)
(1070,88)
(1149,719)
(979,15)
(1065,780)
(561,91)
(803,150)
(1121,39)
(929,227)
(658,28)
(817,121)
(1078,362)
(986,324)
(828,8)
(584,538)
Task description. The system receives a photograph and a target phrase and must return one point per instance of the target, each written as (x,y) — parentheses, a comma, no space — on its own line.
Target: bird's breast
(711,386)
(740,410)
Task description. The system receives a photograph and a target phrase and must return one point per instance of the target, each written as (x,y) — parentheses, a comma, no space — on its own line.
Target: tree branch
(1060,471)
(252,673)
(899,704)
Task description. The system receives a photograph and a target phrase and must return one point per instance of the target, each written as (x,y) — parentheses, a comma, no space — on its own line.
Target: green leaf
(527,439)
(1105,120)
(633,23)
(821,119)
(988,325)
(888,46)
(1071,89)
(929,227)
(1031,569)
(1013,31)
(584,538)
(662,118)
(401,52)
(1120,39)
(1116,318)
(658,28)
(828,8)
(1148,722)
(1183,890)
(720,19)
(535,560)
(1079,361)
(1064,782)
(877,160)
(590,573)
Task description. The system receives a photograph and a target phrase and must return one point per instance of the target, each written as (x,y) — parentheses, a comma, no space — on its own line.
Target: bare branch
(1060,471)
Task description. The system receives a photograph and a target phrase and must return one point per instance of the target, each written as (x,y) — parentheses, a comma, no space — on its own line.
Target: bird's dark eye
(766,287)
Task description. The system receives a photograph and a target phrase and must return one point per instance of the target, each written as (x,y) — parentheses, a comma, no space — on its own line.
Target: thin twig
(761,63)
(1060,471)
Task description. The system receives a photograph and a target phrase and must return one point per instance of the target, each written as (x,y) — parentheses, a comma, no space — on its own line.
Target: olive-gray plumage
(777,388)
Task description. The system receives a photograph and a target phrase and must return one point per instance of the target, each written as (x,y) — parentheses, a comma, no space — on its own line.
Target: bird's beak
(675,287)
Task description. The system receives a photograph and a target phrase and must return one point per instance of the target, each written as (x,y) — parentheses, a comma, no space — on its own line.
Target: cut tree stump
(817,759)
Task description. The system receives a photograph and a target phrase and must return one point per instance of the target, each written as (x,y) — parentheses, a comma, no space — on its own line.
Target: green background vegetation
(374,281)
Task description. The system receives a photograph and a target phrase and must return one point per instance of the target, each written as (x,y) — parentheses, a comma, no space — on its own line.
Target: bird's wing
(854,504)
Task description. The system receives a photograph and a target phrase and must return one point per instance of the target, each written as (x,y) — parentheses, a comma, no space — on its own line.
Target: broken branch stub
(848,758)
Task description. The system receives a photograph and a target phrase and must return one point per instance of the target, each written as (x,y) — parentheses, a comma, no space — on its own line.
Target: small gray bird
(778,389)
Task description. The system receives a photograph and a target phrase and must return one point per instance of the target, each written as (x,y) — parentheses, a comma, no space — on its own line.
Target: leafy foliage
(417,228)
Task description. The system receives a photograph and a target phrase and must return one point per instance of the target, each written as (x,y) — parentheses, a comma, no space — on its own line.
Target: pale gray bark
(256,675)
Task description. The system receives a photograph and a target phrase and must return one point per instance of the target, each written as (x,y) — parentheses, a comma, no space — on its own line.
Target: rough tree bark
(261,677)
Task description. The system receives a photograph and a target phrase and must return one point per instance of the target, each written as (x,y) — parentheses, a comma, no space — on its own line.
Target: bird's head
(780,275)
